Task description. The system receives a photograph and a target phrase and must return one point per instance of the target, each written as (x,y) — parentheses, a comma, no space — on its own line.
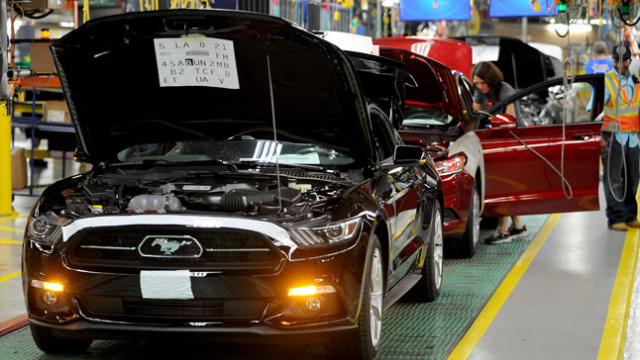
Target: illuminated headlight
(451,165)
(45,231)
(332,233)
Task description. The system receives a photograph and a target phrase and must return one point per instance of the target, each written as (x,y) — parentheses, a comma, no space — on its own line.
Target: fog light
(47,285)
(311,290)
(49,298)
(314,304)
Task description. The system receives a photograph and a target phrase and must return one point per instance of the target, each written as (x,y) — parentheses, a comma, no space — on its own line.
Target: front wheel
(471,236)
(363,343)
(430,284)
(52,344)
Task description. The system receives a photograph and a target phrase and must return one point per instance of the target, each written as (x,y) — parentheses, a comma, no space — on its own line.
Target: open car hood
(435,86)
(156,76)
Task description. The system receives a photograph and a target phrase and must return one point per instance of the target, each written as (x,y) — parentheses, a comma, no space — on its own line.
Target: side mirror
(408,154)
(503,120)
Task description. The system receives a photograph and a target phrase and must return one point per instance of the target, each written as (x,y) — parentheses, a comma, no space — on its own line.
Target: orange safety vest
(627,112)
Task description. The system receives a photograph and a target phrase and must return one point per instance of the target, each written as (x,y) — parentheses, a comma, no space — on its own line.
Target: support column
(5,161)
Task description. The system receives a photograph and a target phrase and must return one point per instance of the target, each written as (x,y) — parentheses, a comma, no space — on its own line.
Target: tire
(363,343)
(469,240)
(430,284)
(51,344)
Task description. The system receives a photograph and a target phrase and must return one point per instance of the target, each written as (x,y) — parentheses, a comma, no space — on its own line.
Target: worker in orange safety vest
(619,145)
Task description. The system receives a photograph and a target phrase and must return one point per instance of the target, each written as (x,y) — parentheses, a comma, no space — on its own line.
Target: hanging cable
(565,182)
(569,65)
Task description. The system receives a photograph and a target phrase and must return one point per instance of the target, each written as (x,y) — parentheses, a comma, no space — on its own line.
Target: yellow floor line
(11,229)
(10,276)
(13,216)
(615,329)
(482,322)
(10,242)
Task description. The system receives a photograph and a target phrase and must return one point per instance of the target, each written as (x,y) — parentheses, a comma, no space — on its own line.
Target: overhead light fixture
(574,28)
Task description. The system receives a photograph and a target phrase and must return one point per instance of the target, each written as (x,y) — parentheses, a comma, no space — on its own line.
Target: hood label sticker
(196,60)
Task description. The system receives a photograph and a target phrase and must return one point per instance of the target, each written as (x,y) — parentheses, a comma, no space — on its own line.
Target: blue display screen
(431,10)
(520,8)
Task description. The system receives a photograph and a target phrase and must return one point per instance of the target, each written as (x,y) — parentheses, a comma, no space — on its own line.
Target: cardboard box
(18,168)
(41,58)
(56,111)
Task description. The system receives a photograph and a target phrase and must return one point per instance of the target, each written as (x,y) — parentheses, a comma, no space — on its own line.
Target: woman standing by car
(490,89)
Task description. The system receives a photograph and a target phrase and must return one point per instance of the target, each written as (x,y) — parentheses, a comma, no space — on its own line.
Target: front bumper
(103,297)
(457,197)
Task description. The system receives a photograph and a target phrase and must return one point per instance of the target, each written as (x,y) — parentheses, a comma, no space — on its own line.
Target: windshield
(237,151)
(426,117)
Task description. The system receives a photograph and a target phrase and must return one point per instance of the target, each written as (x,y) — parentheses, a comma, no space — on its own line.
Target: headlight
(45,231)
(451,165)
(331,233)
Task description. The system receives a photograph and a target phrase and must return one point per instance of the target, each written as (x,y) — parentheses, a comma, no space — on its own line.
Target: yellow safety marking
(482,322)
(13,216)
(615,329)
(10,242)
(11,276)
(11,229)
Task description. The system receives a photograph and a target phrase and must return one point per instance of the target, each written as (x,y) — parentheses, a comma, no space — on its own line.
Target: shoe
(499,237)
(633,224)
(520,233)
(619,227)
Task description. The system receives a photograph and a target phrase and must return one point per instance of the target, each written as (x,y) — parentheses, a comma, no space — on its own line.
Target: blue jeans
(618,209)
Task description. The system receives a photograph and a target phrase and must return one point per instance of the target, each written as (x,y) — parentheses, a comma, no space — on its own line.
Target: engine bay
(249,193)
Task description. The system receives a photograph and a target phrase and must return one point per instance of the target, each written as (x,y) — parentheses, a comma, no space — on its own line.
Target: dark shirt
(489,100)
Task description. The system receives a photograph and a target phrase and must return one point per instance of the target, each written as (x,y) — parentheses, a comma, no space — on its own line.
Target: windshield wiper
(294,166)
(213,162)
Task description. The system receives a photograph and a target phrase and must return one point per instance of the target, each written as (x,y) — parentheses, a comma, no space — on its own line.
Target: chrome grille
(222,249)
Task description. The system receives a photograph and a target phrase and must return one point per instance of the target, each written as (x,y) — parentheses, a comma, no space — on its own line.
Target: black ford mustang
(241,184)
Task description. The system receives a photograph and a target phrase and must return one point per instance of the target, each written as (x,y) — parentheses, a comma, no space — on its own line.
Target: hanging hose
(567,86)
(565,182)
(569,66)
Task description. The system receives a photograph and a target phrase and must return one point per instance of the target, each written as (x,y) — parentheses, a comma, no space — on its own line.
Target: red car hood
(456,54)
(436,85)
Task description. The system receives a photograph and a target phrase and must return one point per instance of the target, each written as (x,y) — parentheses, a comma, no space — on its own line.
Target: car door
(403,203)
(546,159)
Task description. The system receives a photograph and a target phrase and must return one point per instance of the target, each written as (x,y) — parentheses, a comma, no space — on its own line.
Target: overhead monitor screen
(520,8)
(431,10)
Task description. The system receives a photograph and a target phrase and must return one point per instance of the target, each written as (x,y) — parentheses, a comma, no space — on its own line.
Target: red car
(543,160)
(435,115)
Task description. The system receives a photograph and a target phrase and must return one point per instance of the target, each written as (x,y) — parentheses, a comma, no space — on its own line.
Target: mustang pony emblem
(167,246)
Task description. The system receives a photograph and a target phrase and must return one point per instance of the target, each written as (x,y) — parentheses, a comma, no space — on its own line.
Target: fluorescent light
(66,24)
(574,28)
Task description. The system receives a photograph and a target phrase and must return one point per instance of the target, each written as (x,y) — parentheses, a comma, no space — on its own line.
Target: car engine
(250,195)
